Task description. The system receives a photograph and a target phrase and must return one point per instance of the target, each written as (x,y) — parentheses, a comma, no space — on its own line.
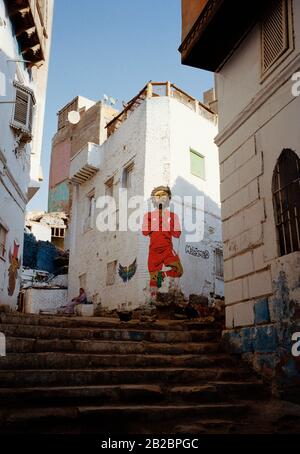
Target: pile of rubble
(172,306)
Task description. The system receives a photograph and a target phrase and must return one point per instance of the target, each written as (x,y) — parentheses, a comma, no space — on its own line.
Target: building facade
(87,124)
(25,36)
(162,137)
(256,60)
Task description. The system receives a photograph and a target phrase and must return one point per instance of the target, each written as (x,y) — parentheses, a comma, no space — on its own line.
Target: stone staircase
(76,375)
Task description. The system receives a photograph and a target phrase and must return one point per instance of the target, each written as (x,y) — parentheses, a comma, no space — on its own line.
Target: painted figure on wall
(13,269)
(161,225)
(127,272)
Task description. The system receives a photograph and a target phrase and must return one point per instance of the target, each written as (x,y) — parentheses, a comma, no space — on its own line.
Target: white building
(50,227)
(257,65)
(25,35)
(162,137)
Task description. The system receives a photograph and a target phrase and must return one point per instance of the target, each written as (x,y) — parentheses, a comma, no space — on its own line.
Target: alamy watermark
(296,345)
(131,214)
(2,345)
(296,84)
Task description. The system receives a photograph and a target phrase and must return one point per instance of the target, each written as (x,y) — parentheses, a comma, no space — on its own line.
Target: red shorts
(158,258)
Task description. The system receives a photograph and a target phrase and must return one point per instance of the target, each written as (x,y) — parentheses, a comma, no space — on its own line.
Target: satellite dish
(105,97)
(112,101)
(74,117)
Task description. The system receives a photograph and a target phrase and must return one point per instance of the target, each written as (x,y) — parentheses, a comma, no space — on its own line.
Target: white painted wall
(17,173)
(41,232)
(158,136)
(239,81)
(41,299)
(91,250)
(258,119)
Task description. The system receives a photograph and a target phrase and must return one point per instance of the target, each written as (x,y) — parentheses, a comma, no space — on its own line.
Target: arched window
(286,201)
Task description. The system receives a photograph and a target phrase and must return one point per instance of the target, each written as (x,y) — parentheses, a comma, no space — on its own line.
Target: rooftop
(158,89)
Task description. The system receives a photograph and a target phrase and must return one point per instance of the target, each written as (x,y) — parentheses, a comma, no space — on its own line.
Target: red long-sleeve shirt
(161,226)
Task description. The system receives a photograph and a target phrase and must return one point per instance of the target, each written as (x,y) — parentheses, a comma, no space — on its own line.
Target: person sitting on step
(80,299)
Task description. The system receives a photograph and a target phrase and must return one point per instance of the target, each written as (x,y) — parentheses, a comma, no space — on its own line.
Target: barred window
(57,232)
(286,201)
(276,30)
(219,263)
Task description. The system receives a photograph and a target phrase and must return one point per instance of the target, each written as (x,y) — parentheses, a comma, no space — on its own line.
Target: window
(111,273)
(276,33)
(109,187)
(57,232)
(3,233)
(197,164)
(219,263)
(127,176)
(286,201)
(89,222)
(23,111)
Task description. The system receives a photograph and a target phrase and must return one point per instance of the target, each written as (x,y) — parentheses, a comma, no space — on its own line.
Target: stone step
(220,391)
(121,334)
(112,418)
(102,323)
(75,361)
(66,395)
(206,426)
(212,392)
(53,377)
(30,345)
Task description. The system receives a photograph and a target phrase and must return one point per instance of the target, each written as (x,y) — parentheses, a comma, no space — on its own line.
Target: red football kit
(161,226)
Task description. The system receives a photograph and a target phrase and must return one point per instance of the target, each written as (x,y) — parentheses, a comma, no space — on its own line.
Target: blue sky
(112,47)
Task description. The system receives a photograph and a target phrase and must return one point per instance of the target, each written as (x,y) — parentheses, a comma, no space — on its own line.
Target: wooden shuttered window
(23,111)
(275,33)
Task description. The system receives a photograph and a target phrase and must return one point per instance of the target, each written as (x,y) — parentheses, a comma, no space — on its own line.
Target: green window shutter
(197,164)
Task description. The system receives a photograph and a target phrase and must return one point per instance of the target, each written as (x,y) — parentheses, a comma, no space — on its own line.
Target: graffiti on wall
(127,272)
(161,225)
(192,250)
(15,264)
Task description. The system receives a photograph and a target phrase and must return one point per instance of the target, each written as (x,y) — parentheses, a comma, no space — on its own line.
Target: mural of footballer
(161,225)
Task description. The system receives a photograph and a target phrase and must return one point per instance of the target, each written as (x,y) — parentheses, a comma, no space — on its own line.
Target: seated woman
(80,299)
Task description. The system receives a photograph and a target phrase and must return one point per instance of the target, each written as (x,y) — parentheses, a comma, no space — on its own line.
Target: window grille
(286,201)
(219,263)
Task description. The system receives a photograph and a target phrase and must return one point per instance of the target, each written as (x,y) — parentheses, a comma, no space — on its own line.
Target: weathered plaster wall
(19,172)
(59,197)
(91,250)
(257,121)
